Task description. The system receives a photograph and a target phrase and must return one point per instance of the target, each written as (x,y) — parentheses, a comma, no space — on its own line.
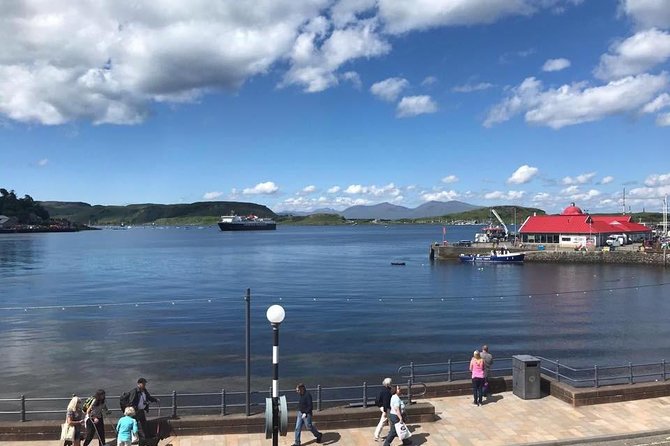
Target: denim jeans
(307,421)
(478,389)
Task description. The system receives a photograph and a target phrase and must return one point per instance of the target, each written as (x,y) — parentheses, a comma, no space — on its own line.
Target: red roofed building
(573,228)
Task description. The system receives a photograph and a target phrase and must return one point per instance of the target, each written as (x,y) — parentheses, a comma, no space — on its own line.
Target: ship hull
(224,226)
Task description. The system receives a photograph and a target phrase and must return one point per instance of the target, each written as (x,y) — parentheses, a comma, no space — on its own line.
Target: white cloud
(523,175)
(637,54)
(415,105)
(579,179)
(345,12)
(445,195)
(334,189)
(428,81)
(389,89)
(43,162)
(648,13)
(375,191)
(450,179)
(307,204)
(663,120)
(576,103)
(509,195)
(469,88)
(266,188)
(314,67)
(211,195)
(555,64)
(404,16)
(570,190)
(586,196)
(354,78)
(542,197)
(607,180)
(661,102)
(655,180)
(309,189)
(108,61)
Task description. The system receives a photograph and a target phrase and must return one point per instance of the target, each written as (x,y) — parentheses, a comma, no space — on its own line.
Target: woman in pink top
(477,367)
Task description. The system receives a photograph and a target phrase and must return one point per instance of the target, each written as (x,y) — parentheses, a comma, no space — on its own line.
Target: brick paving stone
(507,421)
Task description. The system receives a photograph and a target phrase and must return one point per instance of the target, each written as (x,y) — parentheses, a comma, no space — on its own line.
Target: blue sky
(307,104)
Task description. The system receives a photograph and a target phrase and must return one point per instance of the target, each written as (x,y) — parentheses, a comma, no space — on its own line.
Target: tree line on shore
(26,210)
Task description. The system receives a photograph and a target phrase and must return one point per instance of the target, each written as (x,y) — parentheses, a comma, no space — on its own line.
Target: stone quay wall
(448,252)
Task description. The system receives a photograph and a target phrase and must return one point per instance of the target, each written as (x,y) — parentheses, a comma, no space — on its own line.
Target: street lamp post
(275,315)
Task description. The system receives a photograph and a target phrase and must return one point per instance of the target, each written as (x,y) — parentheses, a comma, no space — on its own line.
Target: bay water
(94,309)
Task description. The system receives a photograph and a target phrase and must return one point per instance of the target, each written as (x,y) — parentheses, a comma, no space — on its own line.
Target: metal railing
(450,370)
(595,376)
(214,403)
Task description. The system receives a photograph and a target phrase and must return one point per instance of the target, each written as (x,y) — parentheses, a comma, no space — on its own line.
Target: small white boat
(493,257)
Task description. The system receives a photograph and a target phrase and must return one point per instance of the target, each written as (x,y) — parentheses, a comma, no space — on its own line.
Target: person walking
(477,368)
(488,363)
(396,415)
(95,425)
(304,415)
(139,400)
(126,427)
(384,403)
(75,417)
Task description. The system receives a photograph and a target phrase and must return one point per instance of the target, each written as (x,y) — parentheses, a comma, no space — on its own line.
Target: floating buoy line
(334,299)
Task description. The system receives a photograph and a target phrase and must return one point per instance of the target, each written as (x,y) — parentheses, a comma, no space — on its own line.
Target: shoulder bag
(66,432)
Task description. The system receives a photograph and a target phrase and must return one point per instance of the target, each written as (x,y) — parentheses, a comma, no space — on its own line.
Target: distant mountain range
(388,211)
(209,212)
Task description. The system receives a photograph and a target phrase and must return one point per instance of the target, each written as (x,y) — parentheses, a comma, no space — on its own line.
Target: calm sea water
(178,317)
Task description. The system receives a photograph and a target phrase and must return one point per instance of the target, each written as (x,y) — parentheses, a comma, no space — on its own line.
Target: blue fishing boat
(493,257)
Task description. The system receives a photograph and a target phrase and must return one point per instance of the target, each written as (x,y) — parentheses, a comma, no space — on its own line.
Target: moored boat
(248,223)
(493,257)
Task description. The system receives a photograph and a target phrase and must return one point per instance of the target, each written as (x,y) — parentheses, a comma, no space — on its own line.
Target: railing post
(595,375)
(318,398)
(223,402)
(411,371)
(630,372)
(409,392)
(558,371)
(663,363)
(449,376)
(365,394)
(23,408)
(174,404)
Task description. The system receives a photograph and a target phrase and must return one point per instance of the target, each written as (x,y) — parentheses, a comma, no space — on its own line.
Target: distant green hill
(484,215)
(314,219)
(202,213)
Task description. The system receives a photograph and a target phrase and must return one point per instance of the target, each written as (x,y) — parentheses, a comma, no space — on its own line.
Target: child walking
(126,426)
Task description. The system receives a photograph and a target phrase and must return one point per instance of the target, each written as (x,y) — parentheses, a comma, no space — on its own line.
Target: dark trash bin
(526,377)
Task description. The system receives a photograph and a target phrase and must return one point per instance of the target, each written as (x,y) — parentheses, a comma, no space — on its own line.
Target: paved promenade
(504,420)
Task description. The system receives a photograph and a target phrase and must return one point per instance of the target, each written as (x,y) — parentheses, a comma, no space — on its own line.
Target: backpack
(124,400)
(88,403)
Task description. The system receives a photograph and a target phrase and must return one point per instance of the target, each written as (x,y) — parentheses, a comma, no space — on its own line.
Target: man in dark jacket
(384,403)
(140,399)
(304,415)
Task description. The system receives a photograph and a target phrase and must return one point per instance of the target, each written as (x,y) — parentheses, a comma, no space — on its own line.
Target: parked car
(463,243)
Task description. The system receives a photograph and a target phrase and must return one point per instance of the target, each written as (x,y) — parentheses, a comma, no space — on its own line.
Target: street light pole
(275,315)
(247,359)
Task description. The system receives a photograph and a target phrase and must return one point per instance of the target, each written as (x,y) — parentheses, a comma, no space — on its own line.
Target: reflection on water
(351,316)
(19,251)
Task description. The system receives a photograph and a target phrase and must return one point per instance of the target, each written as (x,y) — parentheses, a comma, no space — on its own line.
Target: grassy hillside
(313,220)
(199,213)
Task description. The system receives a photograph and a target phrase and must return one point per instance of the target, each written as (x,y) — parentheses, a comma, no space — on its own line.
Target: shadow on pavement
(330,438)
(492,399)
